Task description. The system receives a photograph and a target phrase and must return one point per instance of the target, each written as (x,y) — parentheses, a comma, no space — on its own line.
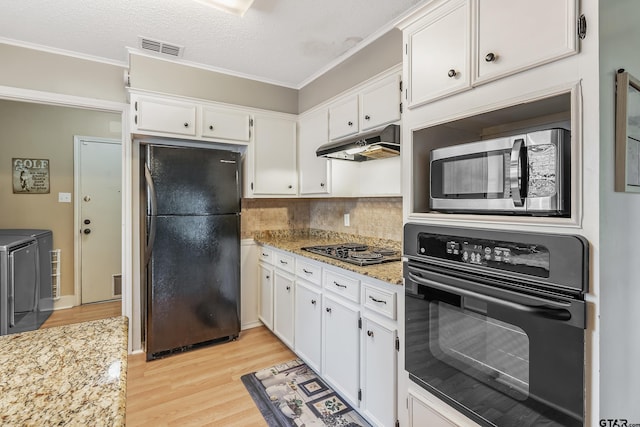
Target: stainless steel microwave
(526,174)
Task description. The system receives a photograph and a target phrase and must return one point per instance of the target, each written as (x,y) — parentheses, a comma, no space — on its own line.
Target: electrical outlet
(346,220)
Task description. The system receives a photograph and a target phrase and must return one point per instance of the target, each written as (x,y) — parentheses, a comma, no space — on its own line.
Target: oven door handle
(558,311)
(518,172)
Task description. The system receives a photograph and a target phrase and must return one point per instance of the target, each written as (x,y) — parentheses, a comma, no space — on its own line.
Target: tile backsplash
(379,217)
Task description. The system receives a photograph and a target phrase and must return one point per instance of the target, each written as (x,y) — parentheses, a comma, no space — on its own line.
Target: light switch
(64,197)
(346,220)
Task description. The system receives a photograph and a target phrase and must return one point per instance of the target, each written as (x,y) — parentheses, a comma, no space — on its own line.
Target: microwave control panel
(528,259)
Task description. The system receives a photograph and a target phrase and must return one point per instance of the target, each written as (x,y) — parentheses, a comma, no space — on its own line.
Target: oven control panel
(512,256)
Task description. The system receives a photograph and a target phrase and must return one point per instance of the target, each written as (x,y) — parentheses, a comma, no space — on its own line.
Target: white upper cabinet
(456,44)
(437,53)
(167,116)
(274,157)
(221,124)
(313,170)
(518,34)
(343,118)
(380,103)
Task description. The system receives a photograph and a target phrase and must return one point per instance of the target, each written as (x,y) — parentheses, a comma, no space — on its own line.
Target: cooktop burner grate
(356,253)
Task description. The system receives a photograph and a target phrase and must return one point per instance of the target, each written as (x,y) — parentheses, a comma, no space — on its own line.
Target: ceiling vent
(160,47)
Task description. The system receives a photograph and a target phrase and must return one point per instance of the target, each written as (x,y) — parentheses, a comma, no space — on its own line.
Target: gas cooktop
(356,253)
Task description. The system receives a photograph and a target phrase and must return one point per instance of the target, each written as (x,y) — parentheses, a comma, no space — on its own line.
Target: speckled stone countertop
(294,240)
(72,375)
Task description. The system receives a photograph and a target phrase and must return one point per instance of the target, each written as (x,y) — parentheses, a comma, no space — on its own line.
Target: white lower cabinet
(379,372)
(283,300)
(342,324)
(265,312)
(308,324)
(341,347)
(420,414)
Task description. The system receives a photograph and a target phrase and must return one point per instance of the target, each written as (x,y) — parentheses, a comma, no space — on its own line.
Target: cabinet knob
(268,277)
(186,124)
(370,333)
(290,186)
(350,123)
(452,73)
(367,117)
(328,309)
(313,302)
(210,127)
(322,184)
(490,57)
(288,288)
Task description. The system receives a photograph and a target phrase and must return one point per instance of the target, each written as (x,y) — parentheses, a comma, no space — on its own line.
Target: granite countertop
(72,375)
(294,240)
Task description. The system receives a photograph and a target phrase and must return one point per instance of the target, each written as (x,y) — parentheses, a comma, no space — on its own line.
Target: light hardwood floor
(201,387)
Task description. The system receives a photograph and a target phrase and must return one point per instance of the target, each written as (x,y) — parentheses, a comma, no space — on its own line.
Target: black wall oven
(495,320)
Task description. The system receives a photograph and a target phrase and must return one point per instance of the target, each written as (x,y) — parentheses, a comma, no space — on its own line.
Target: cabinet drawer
(379,300)
(309,272)
(266,255)
(345,286)
(284,262)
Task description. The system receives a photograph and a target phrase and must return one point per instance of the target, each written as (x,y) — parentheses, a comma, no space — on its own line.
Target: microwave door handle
(518,172)
(555,313)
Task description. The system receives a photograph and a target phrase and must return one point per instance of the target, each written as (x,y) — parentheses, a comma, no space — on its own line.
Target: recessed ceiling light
(237,7)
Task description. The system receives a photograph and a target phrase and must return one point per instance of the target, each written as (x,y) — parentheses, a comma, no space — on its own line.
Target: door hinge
(400,85)
(252,185)
(406,48)
(360,323)
(250,122)
(360,394)
(397,344)
(401,108)
(582,27)
(397,423)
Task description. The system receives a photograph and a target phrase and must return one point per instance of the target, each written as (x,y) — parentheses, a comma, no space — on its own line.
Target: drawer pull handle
(339,285)
(370,333)
(377,300)
(328,309)
(313,302)
(283,262)
(307,271)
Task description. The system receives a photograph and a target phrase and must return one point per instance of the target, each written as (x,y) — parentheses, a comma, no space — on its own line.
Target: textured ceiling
(286,42)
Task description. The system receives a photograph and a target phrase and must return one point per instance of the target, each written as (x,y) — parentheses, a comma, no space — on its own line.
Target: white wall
(619,228)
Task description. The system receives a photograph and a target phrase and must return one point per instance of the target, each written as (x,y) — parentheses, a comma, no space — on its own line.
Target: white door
(100,218)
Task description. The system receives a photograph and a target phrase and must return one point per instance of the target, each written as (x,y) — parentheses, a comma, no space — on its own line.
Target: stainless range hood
(378,144)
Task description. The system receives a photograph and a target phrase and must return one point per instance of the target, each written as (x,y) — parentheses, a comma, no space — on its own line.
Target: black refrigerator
(191,247)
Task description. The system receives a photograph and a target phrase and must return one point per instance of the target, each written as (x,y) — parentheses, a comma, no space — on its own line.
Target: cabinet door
(438,50)
(518,34)
(274,156)
(160,115)
(266,295)
(313,170)
(308,324)
(380,104)
(341,347)
(225,124)
(283,307)
(422,415)
(379,373)
(343,118)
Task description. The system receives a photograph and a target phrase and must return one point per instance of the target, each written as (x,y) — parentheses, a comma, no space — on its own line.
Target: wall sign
(30,176)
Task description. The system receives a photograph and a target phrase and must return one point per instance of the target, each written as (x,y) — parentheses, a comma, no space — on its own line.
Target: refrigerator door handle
(151,195)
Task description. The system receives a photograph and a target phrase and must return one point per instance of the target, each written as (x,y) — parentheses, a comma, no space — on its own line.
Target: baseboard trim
(250,325)
(65,301)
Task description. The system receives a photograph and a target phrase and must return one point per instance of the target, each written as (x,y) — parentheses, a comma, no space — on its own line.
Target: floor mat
(292,395)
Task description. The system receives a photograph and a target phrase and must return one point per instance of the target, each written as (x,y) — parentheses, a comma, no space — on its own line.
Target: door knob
(86,198)
(86,231)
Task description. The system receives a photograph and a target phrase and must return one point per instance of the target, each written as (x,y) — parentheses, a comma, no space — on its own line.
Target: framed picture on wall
(627,133)
(30,176)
